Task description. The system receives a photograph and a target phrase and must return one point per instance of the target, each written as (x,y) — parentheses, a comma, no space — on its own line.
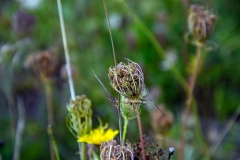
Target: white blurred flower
(115,20)
(169,61)
(30,4)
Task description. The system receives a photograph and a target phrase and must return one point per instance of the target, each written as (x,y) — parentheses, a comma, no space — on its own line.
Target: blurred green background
(29,26)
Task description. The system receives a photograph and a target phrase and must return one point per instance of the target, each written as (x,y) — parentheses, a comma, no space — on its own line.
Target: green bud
(127,110)
(79,118)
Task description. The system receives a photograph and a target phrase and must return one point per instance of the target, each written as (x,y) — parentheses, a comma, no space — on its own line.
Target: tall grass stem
(70,81)
(115,62)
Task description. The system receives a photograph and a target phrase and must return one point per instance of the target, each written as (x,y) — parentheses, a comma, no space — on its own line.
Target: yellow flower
(97,136)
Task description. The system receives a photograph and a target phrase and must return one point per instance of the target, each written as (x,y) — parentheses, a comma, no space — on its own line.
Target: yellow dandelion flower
(97,136)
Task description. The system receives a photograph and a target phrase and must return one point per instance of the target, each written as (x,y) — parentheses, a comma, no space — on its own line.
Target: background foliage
(217,88)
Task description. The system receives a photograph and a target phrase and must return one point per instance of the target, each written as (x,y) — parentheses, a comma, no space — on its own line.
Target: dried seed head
(112,150)
(127,80)
(79,118)
(200,22)
(43,62)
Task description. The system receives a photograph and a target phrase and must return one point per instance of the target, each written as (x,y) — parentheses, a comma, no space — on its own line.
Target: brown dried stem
(140,131)
(189,99)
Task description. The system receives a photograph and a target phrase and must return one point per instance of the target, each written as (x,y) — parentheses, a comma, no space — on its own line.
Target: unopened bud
(200,22)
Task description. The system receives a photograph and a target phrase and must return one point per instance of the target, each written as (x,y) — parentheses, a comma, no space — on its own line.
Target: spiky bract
(79,118)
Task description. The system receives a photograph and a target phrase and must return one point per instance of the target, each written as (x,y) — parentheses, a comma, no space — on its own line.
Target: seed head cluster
(127,80)
(200,22)
(43,62)
(112,150)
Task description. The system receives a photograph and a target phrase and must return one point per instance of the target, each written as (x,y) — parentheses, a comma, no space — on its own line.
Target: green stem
(119,119)
(83,151)
(125,130)
(47,83)
(95,156)
(54,143)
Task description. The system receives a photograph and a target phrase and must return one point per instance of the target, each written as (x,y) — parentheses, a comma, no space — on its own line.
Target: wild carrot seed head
(113,150)
(200,22)
(127,80)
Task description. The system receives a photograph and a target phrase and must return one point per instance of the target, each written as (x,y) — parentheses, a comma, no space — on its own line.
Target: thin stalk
(70,81)
(119,118)
(224,132)
(95,156)
(19,131)
(54,143)
(110,33)
(197,128)
(80,150)
(140,131)
(48,91)
(125,130)
(115,62)
(189,99)
(83,151)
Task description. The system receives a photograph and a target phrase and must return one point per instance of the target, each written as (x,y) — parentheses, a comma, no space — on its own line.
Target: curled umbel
(200,22)
(112,150)
(127,80)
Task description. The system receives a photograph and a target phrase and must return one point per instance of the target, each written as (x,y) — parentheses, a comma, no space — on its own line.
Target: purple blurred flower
(23,22)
